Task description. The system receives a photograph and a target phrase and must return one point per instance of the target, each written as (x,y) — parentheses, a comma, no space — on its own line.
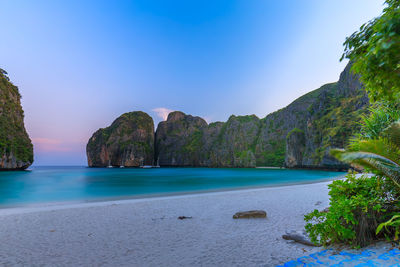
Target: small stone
(326,210)
(184,217)
(250,214)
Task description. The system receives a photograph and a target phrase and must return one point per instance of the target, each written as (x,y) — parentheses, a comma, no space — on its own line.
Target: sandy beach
(147,232)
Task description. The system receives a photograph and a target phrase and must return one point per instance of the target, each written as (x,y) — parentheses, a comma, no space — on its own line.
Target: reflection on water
(54,184)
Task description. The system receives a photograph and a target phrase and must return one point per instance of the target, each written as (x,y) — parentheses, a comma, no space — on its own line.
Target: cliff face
(299,135)
(295,146)
(179,140)
(332,118)
(234,142)
(184,140)
(16,150)
(129,142)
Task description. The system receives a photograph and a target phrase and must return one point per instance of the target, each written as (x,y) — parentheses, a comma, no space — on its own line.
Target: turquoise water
(58,184)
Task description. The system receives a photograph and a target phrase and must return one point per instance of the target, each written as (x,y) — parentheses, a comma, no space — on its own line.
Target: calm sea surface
(60,184)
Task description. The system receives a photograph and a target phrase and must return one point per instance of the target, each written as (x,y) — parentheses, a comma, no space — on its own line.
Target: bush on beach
(358,206)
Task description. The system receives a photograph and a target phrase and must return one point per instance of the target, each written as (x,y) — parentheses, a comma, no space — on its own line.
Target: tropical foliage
(366,208)
(374,50)
(378,155)
(394,222)
(358,205)
(381,116)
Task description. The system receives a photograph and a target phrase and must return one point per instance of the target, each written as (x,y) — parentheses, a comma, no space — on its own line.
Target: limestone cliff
(128,142)
(16,150)
(179,140)
(295,146)
(299,135)
(184,140)
(331,120)
(234,143)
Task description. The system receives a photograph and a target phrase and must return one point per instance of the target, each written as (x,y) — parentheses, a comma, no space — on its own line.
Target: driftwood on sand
(299,238)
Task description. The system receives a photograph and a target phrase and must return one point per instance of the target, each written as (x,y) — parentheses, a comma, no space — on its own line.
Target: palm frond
(382,146)
(349,157)
(391,172)
(373,162)
(392,133)
(380,154)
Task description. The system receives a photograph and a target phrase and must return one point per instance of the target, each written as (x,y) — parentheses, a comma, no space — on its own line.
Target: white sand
(146,232)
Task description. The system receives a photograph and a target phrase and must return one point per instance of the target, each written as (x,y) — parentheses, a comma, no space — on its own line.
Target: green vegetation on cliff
(194,143)
(340,119)
(14,140)
(274,156)
(128,141)
(326,117)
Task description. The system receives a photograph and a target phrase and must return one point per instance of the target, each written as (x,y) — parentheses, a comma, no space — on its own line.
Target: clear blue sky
(81,64)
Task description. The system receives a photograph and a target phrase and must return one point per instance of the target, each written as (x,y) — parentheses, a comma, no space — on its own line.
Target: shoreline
(147,232)
(43,206)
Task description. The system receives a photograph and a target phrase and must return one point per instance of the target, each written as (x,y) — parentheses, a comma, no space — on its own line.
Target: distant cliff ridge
(183,140)
(16,150)
(297,136)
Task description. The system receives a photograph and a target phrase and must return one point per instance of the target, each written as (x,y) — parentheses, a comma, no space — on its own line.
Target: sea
(55,184)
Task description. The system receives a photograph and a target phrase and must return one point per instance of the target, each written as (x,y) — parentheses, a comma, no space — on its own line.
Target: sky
(81,64)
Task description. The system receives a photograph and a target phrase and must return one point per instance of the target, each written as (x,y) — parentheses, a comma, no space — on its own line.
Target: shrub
(358,206)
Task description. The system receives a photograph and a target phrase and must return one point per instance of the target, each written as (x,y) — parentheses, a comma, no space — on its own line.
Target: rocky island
(297,136)
(16,150)
(128,142)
